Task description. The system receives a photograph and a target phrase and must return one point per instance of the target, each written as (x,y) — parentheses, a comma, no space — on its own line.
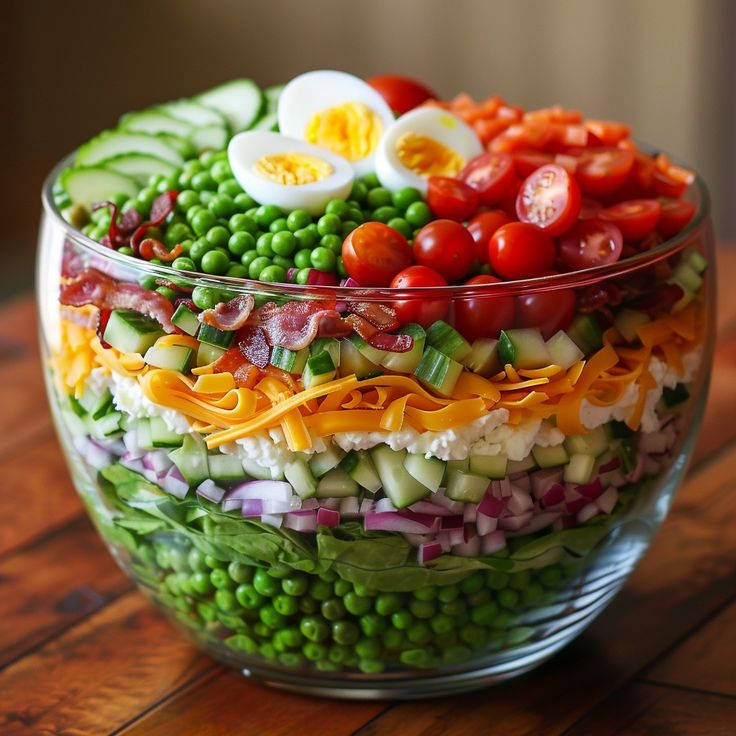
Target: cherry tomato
(445,246)
(483,316)
(521,251)
(603,170)
(550,199)
(482,227)
(590,243)
(374,253)
(401,93)
(527,162)
(635,218)
(420,310)
(548,311)
(674,215)
(666,185)
(491,175)
(451,198)
(589,208)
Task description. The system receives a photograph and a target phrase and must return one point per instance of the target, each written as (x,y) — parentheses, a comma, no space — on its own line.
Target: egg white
(246,148)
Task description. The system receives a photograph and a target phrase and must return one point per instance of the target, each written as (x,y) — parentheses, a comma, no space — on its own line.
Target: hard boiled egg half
(335,111)
(292,174)
(424,142)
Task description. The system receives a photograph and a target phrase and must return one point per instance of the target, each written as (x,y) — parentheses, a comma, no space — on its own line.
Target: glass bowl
(402,577)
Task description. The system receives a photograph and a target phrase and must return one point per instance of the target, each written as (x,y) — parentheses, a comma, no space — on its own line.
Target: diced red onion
(651,466)
(130,440)
(471,548)
(587,512)
(520,501)
(521,480)
(606,502)
(554,495)
(275,520)
(115,446)
(134,464)
(491,506)
(232,504)
(613,464)
(514,523)
(541,521)
(301,521)
(310,504)
(207,489)
(425,507)
(416,539)
(590,490)
(330,503)
(501,488)
(455,507)
(291,274)
(275,490)
(450,523)
(543,480)
(174,482)
(392,521)
(349,508)
(276,506)
(328,517)
(157,460)
(492,542)
(351,282)
(384,504)
(470,512)
(485,524)
(616,478)
(635,475)
(250,507)
(93,454)
(315,277)
(653,443)
(428,552)
(572,507)
(366,506)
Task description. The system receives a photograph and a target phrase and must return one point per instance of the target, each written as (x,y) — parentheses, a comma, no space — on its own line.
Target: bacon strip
(380,340)
(230,315)
(93,287)
(152,248)
(251,342)
(246,374)
(161,208)
(296,324)
(379,315)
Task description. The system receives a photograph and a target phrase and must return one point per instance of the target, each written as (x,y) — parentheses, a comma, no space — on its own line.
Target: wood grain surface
(82,653)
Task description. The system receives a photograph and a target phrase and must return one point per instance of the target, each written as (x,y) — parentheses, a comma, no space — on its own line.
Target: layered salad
(336,374)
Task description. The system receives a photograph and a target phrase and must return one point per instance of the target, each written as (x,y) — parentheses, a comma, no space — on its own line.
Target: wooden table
(82,653)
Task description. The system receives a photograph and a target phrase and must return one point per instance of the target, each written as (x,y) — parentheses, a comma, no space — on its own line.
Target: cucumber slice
(300,476)
(521,466)
(253,469)
(240,102)
(291,361)
(550,457)
(225,468)
(185,320)
(697,262)
(595,442)
(628,321)
(331,345)
(586,333)
(319,369)
(353,362)
(580,469)
(209,138)
(447,340)
(336,483)
(207,354)
(462,465)
(191,459)
(429,471)
(398,484)
(438,371)
(269,121)
(483,357)
(319,464)
(466,487)
(408,361)
(687,277)
(366,350)
(198,116)
(89,184)
(114,143)
(131,332)
(213,336)
(139,166)
(563,350)
(489,466)
(143,434)
(359,466)
(108,425)
(171,357)
(154,120)
(162,436)
(95,405)
(523,348)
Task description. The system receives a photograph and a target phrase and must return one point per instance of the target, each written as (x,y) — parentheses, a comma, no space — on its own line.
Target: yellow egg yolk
(351,130)
(292,169)
(428,157)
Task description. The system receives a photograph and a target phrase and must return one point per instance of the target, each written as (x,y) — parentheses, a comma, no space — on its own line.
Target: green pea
(297,220)
(454,608)
(242,643)
(295,585)
(263,245)
(497,580)
(186,199)
(388,603)
(331,242)
(379,197)
(416,658)
(302,276)
(265,584)
(185,180)
(401,225)
(285,604)
(192,211)
(195,560)
(371,180)
(508,597)
(371,624)
(232,189)
(283,243)
(359,191)
(305,238)
(220,579)
(273,274)
(267,651)
(405,196)
(474,636)
(205,298)
(267,213)
(248,596)
(215,261)
(312,227)
(239,572)
(237,271)
(384,214)
(368,648)
(419,633)
(332,609)
(477,599)
(221,171)
(192,166)
(371,666)
(203,181)
(212,562)
(183,264)
(243,201)
(272,618)
(550,576)
(402,620)
(393,639)
(240,242)
(283,262)
(225,600)
(243,223)
(202,221)
(338,207)
(532,594)
(347,227)
(201,583)
(291,659)
(442,623)
(144,199)
(207,611)
(428,593)
(354,215)
(218,236)
(308,605)
(520,580)
(485,614)
(207,158)
(277,225)
(323,259)
(221,205)
(519,635)
(356,604)
(341,270)
(345,632)
(338,654)
(341,587)
(313,628)
(329,224)
(176,233)
(292,637)
(473,583)
(418,214)
(303,258)
(422,609)
(125,250)
(314,651)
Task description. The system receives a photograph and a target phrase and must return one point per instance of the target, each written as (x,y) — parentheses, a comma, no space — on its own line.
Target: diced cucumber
(523,348)
(438,371)
(483,357)
(320,463)
(185,320)
(319,369)
(90,184)
(462,465)
(207,354)
(686,276)
(563,350)
(550,457)
(212,336)
(162,436)
(113,143)
(447,340)
(466,487)
(352,361)
(107,425)
(96,405)
(143,434)
(171,357)
(359,466)
(297,472)
(429,471)
(627,454)
(139,166)
(291,361)
(209,138)
(329,344)
(77,407)
(336,483)
(586,333)
(75,425)
(676,395)
(225,468)
(131,332)
(408,361)
(628,321)
(240,102)
(521,466)
(269,121)
(373,354)
(196,115)
(595,442)
(398,485)
(255,469)
(696,261)
(580,469)
(489,466)
(191,459)
(154,120)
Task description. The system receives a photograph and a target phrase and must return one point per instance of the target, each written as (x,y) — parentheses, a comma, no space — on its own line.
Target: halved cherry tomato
(550,199)
(445,246)
(527,162)
(421,310)
(451,198)
(635,218)
(491,175)
(401,93)
(521,251)
(548,311)
(603,170)
(483,316)
(590,243)
(374,253)
(674,215)
(589,208)
(482,227)
(608,131)
(670,180)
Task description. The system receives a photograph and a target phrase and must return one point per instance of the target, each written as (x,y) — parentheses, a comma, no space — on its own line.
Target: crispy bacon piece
(230,315)
(380,316)
(251,341)
(296,324)
(246,374)
(113,239)
(380,340)
(129,221)
(93,287)
(152,248)
(161,208)
(662,299)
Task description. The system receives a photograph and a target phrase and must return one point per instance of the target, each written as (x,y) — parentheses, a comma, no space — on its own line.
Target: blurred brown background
(69,69)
